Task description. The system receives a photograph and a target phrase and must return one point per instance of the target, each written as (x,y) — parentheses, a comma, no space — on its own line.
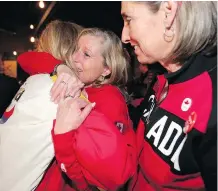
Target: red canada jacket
(177,133)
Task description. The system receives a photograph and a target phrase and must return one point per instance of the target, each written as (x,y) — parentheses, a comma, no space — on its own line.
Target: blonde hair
(197,26)
(115,57)
(58,38)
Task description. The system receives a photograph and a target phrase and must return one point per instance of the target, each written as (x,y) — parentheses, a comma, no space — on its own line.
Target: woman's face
(144,31)
(87,59)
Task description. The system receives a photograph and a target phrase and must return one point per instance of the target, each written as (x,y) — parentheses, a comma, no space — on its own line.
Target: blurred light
(41,4)
(14,53)
(31,26)
(32,39)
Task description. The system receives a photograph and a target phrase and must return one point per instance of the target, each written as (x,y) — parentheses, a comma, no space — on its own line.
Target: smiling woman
(178,126)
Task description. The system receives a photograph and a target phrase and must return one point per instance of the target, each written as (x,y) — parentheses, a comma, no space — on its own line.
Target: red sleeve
(37,62)
(67,161)
(107,157)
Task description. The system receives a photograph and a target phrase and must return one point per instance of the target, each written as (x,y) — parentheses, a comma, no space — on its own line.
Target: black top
(9,87)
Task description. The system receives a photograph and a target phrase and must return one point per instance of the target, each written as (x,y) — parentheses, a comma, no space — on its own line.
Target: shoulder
(108,94)
(109,101)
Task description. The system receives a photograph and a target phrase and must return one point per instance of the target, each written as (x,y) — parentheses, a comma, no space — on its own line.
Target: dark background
(16,17)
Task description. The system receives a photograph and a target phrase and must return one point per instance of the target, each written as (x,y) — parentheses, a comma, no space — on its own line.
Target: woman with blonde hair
(94,143)
(26,148)
(53,45)
(177,133)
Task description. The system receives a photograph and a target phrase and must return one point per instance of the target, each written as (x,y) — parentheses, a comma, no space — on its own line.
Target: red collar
(37,62)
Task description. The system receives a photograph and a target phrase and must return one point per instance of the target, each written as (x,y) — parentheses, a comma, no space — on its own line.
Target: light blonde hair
(115,57)
(58,38)
(197,26)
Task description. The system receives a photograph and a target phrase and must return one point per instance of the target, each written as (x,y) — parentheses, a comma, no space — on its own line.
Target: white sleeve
(26,147)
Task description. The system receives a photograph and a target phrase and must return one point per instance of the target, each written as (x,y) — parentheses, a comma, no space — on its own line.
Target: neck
(171,67)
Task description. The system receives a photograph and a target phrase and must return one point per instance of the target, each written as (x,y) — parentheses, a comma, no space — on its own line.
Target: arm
(67,161)
(100,150)
(37,62)
(106,156)
(110,155)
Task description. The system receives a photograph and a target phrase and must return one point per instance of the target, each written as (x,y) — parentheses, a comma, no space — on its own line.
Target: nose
(125,35)
(75,60)
(75,56)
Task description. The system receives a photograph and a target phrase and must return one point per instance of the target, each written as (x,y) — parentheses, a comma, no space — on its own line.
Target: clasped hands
(72,110)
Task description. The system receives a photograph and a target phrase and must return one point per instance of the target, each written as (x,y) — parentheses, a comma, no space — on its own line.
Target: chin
(145,60)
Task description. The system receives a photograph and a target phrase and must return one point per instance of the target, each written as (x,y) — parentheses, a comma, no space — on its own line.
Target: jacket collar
(193,67)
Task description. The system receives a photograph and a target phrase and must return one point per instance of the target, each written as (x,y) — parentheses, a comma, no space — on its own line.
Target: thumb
(86,111)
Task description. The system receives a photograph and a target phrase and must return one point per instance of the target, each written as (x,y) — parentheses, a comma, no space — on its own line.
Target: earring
(169,34)
(102,78)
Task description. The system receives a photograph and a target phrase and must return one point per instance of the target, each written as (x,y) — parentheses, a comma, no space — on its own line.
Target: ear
(106,71)
(170,9)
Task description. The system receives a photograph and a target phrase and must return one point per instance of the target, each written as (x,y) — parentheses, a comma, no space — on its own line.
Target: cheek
(90,74)
(138,32)
(133,32)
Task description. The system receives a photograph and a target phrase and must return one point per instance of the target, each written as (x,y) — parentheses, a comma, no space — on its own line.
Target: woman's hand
(66,85)
(71,114)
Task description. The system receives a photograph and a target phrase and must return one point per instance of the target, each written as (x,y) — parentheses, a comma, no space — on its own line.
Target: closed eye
(128,20)
(86,54)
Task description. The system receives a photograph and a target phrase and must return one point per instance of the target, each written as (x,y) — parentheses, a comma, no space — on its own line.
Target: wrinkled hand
(71,114)
(66,85)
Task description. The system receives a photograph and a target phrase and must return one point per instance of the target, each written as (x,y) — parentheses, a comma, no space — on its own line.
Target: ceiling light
(15,53)
(32,39)
(41,4)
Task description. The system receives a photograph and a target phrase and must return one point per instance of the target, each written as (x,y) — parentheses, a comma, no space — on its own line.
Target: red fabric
(37,62)
(54,180)
(136,102)
(155,173)
(97,153)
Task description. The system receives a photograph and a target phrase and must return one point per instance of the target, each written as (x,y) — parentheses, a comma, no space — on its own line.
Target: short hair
(58,38)
(197,26)
(115,57)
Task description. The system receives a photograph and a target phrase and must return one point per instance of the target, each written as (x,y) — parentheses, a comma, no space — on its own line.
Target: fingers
(86,111)
(59,93)
(60,78)
(65,85)
(71,113)
(59,88)
(75,92)
(72,85)
(63,93)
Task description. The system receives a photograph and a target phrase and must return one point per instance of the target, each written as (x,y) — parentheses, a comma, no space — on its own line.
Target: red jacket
(177,134)
(101,152)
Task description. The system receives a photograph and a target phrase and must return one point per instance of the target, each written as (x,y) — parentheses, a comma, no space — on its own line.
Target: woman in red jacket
(177,132)
(94,143)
